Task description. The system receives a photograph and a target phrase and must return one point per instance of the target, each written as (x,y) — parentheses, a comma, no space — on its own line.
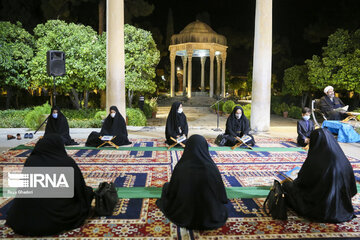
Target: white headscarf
(327,89)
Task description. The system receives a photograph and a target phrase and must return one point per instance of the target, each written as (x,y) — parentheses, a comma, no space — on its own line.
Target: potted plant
(154,106)
(285,109)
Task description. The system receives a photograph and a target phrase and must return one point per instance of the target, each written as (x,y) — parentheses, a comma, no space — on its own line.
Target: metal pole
(54,93)
(217,129)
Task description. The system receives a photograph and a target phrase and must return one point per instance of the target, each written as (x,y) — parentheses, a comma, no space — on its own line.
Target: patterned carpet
(137,218)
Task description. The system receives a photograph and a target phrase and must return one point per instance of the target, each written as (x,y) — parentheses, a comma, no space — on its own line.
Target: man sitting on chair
(330,105)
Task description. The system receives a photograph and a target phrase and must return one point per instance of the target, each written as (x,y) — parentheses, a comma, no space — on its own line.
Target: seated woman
(195,197)
(325,184)
(57,123)
(114,125)
(237,125)
(49,216)
(176,124)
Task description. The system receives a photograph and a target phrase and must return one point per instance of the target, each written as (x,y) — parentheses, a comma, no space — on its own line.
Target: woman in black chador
(114,125)
(176,124)
(49,216)
(57,123)
(325,184)
(195,197)
(237,125)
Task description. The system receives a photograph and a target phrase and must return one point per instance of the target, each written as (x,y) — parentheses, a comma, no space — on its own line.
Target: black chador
(57,123)
(195,197)
(237,125)
(49,216)
(114,125)
(325,184)
(176,123)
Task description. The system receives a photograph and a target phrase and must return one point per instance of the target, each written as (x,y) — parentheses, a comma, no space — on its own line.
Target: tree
(141,58)
(16,49)
(85,53)
(296,82)
(340,63)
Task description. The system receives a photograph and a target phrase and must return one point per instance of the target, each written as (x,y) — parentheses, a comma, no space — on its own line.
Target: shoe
(26,135)
(31,135)
(9,137)
(18,136)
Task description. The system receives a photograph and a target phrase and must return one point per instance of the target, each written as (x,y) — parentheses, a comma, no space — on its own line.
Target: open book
(106,138)
(342,109)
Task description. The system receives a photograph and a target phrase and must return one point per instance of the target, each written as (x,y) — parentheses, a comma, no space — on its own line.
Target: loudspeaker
(55,63)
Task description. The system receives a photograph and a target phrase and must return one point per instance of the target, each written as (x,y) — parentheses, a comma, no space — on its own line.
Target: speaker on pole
(55,63)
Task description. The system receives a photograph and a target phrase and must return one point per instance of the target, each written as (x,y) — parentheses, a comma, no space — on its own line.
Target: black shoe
(31,135)
(26,135)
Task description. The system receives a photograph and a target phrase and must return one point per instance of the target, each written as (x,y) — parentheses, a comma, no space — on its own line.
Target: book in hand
(106,138)
(342,109)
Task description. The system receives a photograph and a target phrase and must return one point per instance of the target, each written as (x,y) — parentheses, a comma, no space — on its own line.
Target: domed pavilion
(197,39)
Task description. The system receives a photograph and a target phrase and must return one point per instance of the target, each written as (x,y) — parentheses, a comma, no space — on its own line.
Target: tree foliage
(339,64)
(16,49)
(296,81)
(141,58)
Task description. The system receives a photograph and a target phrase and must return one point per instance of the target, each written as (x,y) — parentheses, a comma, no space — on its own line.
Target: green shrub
(85,123)
(147,110)
(228,106)
(136,117)
(100,115)
(79,114)
(36,116)
(295,112)
(13,118)
(153,104)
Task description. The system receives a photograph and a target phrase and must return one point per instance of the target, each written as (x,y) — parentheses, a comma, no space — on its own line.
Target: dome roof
(198,32)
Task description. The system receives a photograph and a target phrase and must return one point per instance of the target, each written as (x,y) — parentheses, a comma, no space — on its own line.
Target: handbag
(106,199)
(221,140)
(275,204)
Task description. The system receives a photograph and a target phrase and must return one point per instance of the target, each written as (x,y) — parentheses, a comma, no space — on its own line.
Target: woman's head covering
(233,124)
(58,125)
(174,121)
(326,180)
(115,127)
(195,196)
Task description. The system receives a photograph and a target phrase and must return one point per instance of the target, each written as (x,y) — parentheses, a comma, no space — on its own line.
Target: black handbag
(275,204)
(221,140)
(106,199)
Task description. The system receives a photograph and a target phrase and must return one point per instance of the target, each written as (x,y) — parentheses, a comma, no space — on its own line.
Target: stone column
(223,60)
(172,74)
(218,62)
(115,52)
(189,53)
(202,60)
(184,60)
(212,54)
(261,83)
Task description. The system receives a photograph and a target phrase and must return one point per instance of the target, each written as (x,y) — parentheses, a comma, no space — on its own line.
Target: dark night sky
(300,27)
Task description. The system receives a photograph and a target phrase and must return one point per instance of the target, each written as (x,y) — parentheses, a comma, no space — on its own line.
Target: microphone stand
(217,129)
(41,124)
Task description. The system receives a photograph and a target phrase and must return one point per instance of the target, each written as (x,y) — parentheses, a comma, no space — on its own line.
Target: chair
(316,112)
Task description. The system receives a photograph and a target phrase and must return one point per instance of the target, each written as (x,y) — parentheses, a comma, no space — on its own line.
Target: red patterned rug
(140,218)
